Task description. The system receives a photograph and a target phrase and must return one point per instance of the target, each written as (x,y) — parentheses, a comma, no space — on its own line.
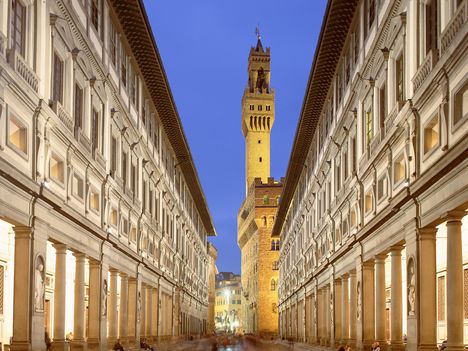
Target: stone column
(22,289)
(319,317)
(148,311)
(123,312)
(344,309)
(112,308)
(352,308)
(454,285)
(132,310)
(426,289)
(326,314)
(60,289)
(154,313)
(368,318)
(94,307)
(337,311)
(396,307)
(380,308)
(143,311)
(78,342)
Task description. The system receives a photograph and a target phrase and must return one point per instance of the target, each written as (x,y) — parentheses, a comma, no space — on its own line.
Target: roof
(135,23)
(335,27)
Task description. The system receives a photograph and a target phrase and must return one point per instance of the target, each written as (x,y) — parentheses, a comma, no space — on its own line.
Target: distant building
(260,251)
(212,273)
(228,302)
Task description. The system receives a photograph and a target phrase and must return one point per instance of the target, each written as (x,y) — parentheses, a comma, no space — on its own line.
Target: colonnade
(364,304)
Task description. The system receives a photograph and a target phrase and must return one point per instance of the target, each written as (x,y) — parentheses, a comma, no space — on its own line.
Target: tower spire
(259,46)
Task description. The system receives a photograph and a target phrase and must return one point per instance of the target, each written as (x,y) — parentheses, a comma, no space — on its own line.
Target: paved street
(241,345)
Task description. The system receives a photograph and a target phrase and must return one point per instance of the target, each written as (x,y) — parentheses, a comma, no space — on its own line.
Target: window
(353,218)
(266,199)
(133,234)
(277,245)
(252,107)
(368,202)
(259,107)
(461,104)
(95,130)
(273,285)
(113,217)
(57,92)
(95,14)
(431,134)
(259,141)
(133,178)
(133,86)
(259,159)
(123,67)
(382,188)
(94,200)
(371,13)
(79,102)
(113,156)
(368,126)
(124,168)
(400,79)
(345,165)
(399,169)
(382,103)
(273,245)
(78,186)
(18,26)
(267,107)
(356,43)
(125,226)
(113,44)
(337,174)
(17,135)
(57,169)
(275,265)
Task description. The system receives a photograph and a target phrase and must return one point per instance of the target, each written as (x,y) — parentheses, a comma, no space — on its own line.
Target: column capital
(368,265)
(113,271)
(454,216)
(79,255)
(23,232)
(395,250)
(94,263)
(427,233)
(60,248)
(352,274)
(123,275)
(132,280)
(380,258)
(337,281)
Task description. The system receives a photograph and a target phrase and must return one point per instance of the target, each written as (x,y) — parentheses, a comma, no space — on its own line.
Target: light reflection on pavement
(236,345)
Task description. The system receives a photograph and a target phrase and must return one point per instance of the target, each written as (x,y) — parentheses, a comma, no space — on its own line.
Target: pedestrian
(347,347)
(377,346)
(341,348)
(118,346)
(47,340)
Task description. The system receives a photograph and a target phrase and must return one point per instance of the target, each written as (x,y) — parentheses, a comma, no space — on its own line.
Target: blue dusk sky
(204,45)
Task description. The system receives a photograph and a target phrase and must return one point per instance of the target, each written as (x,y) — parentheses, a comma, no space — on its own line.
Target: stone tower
(258,115)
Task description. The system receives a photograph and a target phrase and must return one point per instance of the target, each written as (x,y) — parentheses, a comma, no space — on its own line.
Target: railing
(423,70)
(62,114)
(453,27)
(18,63)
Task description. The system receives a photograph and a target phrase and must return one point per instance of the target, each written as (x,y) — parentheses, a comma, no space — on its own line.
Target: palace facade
(259,250)
(373,213)
(104,223)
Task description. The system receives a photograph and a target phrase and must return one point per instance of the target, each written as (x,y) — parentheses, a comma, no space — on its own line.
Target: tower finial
(257,32)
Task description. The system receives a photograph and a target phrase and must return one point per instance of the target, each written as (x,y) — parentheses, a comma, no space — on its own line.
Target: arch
(264,221)
(251,122)
(268,122)
(255,122)
(264,125)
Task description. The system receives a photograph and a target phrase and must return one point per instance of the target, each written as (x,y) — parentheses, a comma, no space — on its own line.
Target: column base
(78,345)
(396,346)
(20,346)
(428,347)
(94,345)
(59,345)
(455,347)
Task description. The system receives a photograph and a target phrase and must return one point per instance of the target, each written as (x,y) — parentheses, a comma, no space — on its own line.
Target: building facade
(259,249)
(228,313)
(212,272)
(373,215)
(104,223)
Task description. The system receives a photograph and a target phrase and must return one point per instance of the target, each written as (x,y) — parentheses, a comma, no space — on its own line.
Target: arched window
(273,285)
(264,219)
(273,245)
(277,245)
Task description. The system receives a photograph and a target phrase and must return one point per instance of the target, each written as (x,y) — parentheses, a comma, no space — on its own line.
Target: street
(243,344)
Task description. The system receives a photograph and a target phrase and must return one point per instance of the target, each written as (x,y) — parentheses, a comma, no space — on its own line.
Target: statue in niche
(104,298)
(359,302)
(138,306)
(39,289)
(411,288)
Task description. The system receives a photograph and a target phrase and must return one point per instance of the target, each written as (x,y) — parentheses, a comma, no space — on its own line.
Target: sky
(204,45)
